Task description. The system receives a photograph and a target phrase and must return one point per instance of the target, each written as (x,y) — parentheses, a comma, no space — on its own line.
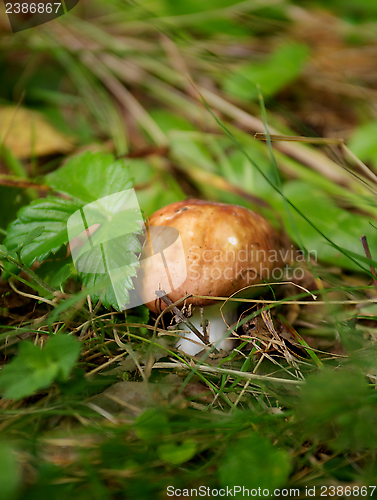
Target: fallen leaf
(26,132)
(132,398)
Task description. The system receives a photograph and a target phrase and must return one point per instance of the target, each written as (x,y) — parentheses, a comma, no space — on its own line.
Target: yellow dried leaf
(27,133)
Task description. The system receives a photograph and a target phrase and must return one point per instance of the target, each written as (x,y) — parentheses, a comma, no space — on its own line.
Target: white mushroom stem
(217,328)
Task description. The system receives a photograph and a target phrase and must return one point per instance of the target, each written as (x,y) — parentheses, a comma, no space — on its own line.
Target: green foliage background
(165,97)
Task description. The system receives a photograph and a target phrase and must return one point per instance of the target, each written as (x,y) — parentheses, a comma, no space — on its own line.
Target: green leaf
(159,194)
(139,314)
(151,424)
(177,453)
(341,226)
(363,142)
(10,476)
(56,272)
(77,384)
(64,349)
(336,407)
(29,238)
(254,463)
(90,176)
(108,257)
(52,213)
(244,175)
(282,67)
(114,266)
(329,393)
(168,121)
(35,368)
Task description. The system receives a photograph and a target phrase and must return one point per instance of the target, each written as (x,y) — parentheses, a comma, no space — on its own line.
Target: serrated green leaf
(50,212)
(90,176)
(35,368)
(30,237)
(56,272)
(100,187)
(115,229)
(107,256)
(254,463)
(114,285)
(110,255)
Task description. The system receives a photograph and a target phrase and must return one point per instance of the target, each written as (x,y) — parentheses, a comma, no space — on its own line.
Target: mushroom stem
(217,328)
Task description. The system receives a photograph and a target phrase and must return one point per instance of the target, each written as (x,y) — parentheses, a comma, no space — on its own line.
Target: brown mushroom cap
(225,248)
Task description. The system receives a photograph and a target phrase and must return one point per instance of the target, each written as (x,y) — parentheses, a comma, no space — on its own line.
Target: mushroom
(221,249)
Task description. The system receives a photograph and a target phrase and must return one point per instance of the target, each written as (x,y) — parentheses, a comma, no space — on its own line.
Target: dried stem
(364,241)
(293,138)
(161,294)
